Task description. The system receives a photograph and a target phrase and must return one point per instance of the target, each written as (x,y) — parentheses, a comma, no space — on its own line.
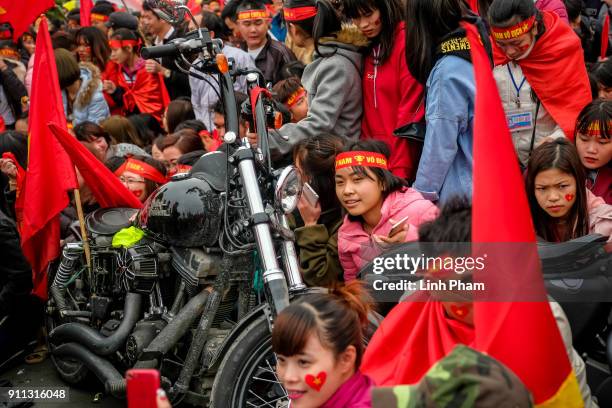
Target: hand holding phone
(398,226)
(310,195)
(142,386)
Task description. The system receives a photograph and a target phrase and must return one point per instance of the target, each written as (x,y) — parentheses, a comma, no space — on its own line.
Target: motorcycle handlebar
(159,51)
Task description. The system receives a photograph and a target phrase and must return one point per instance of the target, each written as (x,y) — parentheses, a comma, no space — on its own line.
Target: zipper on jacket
(376,52)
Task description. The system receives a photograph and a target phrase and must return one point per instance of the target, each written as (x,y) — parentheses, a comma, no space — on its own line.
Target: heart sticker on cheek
(460,311)
(569,197)
(316,382)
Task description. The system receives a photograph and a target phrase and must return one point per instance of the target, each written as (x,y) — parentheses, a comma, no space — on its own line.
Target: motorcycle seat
(108,221)
(555,254)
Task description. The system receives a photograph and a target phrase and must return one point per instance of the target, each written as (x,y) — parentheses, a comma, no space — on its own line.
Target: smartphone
(142,386)
(311,196)
(397,226)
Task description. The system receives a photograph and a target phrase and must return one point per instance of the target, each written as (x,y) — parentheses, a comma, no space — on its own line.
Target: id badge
(519,120)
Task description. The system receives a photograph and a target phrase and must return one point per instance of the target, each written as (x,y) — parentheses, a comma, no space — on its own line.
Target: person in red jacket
(135,89)
(392,98)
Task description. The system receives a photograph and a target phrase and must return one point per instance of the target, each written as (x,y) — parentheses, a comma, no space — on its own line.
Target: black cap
(103,7)
(121,19)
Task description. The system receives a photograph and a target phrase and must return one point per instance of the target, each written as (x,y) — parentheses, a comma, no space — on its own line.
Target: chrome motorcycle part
(140,269)
(288,190)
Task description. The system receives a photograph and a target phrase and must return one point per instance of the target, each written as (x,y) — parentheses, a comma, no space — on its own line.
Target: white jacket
(545,124)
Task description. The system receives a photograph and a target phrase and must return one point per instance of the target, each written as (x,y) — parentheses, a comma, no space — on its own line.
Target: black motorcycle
(196,296)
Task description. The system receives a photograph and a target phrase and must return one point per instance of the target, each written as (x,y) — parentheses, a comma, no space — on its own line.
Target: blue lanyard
(517,88)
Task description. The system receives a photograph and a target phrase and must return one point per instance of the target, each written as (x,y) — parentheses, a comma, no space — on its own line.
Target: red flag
(105,186)
(194,6)
(50,174)
(604,37)
(85,11)
(474,5)
(521,334)
(21,15)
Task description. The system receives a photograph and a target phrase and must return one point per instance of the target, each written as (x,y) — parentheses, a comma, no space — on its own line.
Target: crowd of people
(378,99)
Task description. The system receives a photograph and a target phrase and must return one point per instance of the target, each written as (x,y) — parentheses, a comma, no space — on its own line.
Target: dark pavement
(43,375)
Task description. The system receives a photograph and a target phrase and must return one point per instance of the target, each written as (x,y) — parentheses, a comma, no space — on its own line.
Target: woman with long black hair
(392,98)
(438,56)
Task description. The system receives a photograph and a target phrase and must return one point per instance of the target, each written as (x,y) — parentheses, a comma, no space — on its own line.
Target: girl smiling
(381,208)
(318,343)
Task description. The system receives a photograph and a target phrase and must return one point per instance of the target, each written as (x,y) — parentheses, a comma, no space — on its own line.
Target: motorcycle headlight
(288,190)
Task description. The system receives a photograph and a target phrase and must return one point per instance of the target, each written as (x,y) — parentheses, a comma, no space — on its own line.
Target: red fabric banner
(50,174)
(105,186)
(556,71)
(85,13)
(605,37)
(21,15)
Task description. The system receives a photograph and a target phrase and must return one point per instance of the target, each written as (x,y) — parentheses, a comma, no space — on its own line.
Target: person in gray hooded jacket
(332,81)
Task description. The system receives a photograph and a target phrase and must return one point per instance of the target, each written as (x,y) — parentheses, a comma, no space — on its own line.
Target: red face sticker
(569,197)
(524,48)
(460,311)
(316,382)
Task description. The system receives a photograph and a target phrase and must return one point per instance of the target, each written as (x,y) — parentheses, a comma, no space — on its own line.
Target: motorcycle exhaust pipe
(92,338)
(173,332)
(113,381)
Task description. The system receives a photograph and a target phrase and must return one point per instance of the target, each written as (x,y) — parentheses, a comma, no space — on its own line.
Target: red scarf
(412,338)
(555,70)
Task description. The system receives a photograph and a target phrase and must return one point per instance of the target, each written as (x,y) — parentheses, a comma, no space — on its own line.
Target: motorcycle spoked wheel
(247,376)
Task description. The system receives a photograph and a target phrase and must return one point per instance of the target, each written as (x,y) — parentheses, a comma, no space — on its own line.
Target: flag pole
(79,208)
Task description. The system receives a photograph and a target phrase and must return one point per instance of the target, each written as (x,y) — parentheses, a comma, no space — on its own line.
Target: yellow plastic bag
(127,237)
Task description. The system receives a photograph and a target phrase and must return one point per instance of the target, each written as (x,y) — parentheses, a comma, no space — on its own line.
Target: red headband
(99,17)
(295,97)
(252,14)
(142,169)
(299,13)
(9,53)
(594,128)
(517,30)
(123,43)
(361,158)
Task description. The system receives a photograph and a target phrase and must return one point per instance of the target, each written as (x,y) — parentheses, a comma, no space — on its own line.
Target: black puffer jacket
(15,272)
(14,88)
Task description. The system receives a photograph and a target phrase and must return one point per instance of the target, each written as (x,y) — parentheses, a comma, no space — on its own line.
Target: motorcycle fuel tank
(185,212)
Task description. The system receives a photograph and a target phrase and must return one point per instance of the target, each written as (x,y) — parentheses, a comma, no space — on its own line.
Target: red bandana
(360,158)
(514,31)
(99,17)
(295,97)
(299,13)
(252,14)
(142,169)
(123,43)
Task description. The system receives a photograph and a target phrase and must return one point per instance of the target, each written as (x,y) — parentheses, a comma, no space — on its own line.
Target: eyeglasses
(130,180)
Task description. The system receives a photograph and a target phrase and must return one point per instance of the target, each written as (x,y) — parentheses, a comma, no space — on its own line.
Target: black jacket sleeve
(14,90)
(15,273)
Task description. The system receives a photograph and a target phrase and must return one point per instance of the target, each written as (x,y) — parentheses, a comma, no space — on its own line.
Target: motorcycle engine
(195,266)
(139,269)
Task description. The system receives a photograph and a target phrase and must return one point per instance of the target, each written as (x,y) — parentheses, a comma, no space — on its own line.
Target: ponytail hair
(337,318)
